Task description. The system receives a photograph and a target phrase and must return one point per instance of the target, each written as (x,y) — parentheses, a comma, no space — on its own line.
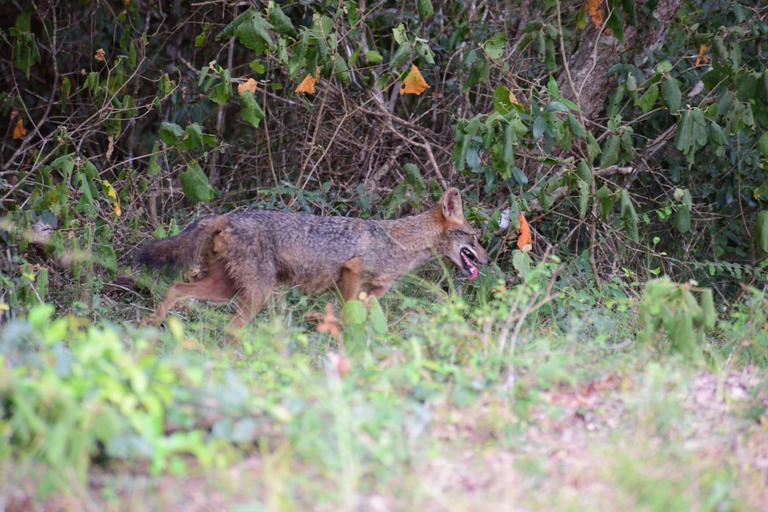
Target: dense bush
(632,134)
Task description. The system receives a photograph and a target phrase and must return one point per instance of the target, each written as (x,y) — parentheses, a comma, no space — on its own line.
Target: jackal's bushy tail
(183,249)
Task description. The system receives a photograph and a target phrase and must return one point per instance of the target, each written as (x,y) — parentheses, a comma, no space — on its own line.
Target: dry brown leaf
(329,323)
(702,57)
(19,131)
(525,233)
(307,86)
(249,85)
(413,83)
(99,55)
(595,11)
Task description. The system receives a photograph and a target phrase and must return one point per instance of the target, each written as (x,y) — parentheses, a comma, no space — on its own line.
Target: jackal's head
(458,240)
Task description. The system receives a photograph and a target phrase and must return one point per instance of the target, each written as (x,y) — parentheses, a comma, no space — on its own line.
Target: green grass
(572,414)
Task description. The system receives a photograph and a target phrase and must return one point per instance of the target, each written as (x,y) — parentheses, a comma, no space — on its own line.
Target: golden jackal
(245,254)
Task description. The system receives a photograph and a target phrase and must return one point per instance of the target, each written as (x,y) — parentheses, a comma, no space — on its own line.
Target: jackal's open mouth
(469,261)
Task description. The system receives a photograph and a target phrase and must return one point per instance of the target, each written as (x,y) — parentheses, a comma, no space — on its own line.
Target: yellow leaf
(66,87)
(413,83)
(307,86)
(112,193)
(249,85)
(19,131)
(513,99)
(525,234)
(100,55)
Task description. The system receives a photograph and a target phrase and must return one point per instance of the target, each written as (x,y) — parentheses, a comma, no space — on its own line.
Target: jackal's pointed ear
(450,206)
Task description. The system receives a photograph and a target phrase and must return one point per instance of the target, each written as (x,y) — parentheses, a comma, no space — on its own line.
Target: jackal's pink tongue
(472,268)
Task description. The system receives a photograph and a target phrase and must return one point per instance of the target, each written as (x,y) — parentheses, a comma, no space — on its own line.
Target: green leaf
(479,73)
(648,99)
(399,34)
(494,47)
(414,178)
(577,129)
(519,175)
(615,100)
(683,219)
(425,9)
(195,184)
(509,145)
(626,203)
(280,21)
(39,315)
(425,52)
(615,22)
(606,203)
(550,59)
(193,137)
(378,318)
(153,167)
(670,91)
(522,263)
(250,111)
(611,152)
(761,231)
(717,137)
(762,144)
(593,148)
(746,84)
(223,90)
(708,308)
(373,57)
(583,198)
(584,171)
(684,135)
(252,32)
(354,313)
(229,30)
(402,54)
(539,127)
(171,133)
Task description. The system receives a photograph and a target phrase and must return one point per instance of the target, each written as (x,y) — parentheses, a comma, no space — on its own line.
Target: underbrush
(383,401)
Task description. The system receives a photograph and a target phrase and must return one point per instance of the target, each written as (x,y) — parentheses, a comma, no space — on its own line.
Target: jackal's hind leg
(215,286)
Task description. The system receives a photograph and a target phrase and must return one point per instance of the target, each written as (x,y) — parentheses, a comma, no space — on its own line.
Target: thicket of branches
(631,134)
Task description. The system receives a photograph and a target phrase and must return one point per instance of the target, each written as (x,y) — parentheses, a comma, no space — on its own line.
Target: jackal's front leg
(349,284)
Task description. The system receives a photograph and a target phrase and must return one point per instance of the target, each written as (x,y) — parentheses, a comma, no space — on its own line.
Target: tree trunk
(599,52)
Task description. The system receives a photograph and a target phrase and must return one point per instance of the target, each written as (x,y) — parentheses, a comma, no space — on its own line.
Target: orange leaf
(413,83)
(702,57)
(19,131)
(525,233)
(100,55)
(248,85)
(329,323)
(595,11)
(307,86)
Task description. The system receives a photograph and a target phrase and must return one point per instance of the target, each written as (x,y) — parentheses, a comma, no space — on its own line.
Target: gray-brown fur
(247,254)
